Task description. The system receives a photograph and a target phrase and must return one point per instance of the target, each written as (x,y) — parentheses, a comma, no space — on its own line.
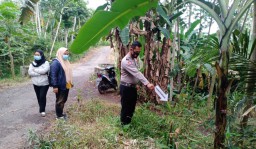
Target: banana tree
(103,21)
(226,20)
(31,8)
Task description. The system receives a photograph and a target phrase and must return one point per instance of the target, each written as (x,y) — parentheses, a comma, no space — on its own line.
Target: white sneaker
(43,114)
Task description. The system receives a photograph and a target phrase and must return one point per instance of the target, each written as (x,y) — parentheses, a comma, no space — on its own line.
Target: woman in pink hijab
(61,79)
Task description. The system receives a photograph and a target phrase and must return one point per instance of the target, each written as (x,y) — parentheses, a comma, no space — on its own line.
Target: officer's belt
(127,84)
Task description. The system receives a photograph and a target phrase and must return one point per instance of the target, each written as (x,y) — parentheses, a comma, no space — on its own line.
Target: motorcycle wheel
(102,87)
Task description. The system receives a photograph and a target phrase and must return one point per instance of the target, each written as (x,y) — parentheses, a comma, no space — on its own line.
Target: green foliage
(204,55)
(8,10)
(242,48)
(163,14)
(41,43)
(102,21)
(19,37)
(235,136)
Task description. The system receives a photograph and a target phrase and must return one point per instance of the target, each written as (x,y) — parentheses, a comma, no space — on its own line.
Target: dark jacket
(57,75)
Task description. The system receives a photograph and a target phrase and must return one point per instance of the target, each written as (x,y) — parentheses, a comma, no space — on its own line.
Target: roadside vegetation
(95,123)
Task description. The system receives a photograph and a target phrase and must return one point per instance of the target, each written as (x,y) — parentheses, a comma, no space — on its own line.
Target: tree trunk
(174,49)
(179,77)
(56,33)
(190,14)
(66,37)
(11,57)
(47,24)
(79,23)
(210,25)
(73,30)
(209,100)
(37,20)
(200,25)
(221,102)
(122,50)
(172,67)
(194,88)
(148,63)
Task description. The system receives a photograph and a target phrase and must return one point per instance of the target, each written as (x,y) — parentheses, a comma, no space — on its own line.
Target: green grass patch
(96,124)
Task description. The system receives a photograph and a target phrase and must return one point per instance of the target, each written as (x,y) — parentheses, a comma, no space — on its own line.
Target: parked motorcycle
(108,81)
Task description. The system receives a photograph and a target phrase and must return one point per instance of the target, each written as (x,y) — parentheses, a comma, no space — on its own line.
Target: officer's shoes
(63,117)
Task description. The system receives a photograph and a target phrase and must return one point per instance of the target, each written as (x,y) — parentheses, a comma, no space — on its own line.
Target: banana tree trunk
(149,50)
(221,102)
(157,63)
(122,49)
(172,67)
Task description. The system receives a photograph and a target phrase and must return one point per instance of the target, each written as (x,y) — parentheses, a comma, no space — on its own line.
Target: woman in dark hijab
(38,71)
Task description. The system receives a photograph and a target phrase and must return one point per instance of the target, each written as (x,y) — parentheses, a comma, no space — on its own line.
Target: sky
(93,4)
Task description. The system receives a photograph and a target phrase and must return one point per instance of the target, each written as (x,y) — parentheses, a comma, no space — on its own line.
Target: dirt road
(19,108)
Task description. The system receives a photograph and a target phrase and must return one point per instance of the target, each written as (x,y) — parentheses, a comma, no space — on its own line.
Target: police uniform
(130,75)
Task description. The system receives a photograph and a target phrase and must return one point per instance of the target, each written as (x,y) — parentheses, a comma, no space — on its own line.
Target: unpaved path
(19,108)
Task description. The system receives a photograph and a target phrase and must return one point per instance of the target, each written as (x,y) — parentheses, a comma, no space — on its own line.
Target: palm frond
(246,69)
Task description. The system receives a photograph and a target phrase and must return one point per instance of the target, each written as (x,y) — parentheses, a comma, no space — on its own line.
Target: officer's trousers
(128,103)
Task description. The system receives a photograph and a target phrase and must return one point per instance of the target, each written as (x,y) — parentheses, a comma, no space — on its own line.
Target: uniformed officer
(130,75)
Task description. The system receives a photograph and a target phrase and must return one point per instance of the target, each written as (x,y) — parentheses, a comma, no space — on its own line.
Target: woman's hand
(55,90)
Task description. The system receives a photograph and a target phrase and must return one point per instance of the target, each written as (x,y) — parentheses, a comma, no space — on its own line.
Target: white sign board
(161,94)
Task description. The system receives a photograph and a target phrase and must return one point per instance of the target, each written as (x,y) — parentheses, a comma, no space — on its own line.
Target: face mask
(37,57)
(135,54)
(65,57)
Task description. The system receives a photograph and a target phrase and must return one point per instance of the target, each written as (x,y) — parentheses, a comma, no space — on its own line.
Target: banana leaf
(124,35)
(27,11)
